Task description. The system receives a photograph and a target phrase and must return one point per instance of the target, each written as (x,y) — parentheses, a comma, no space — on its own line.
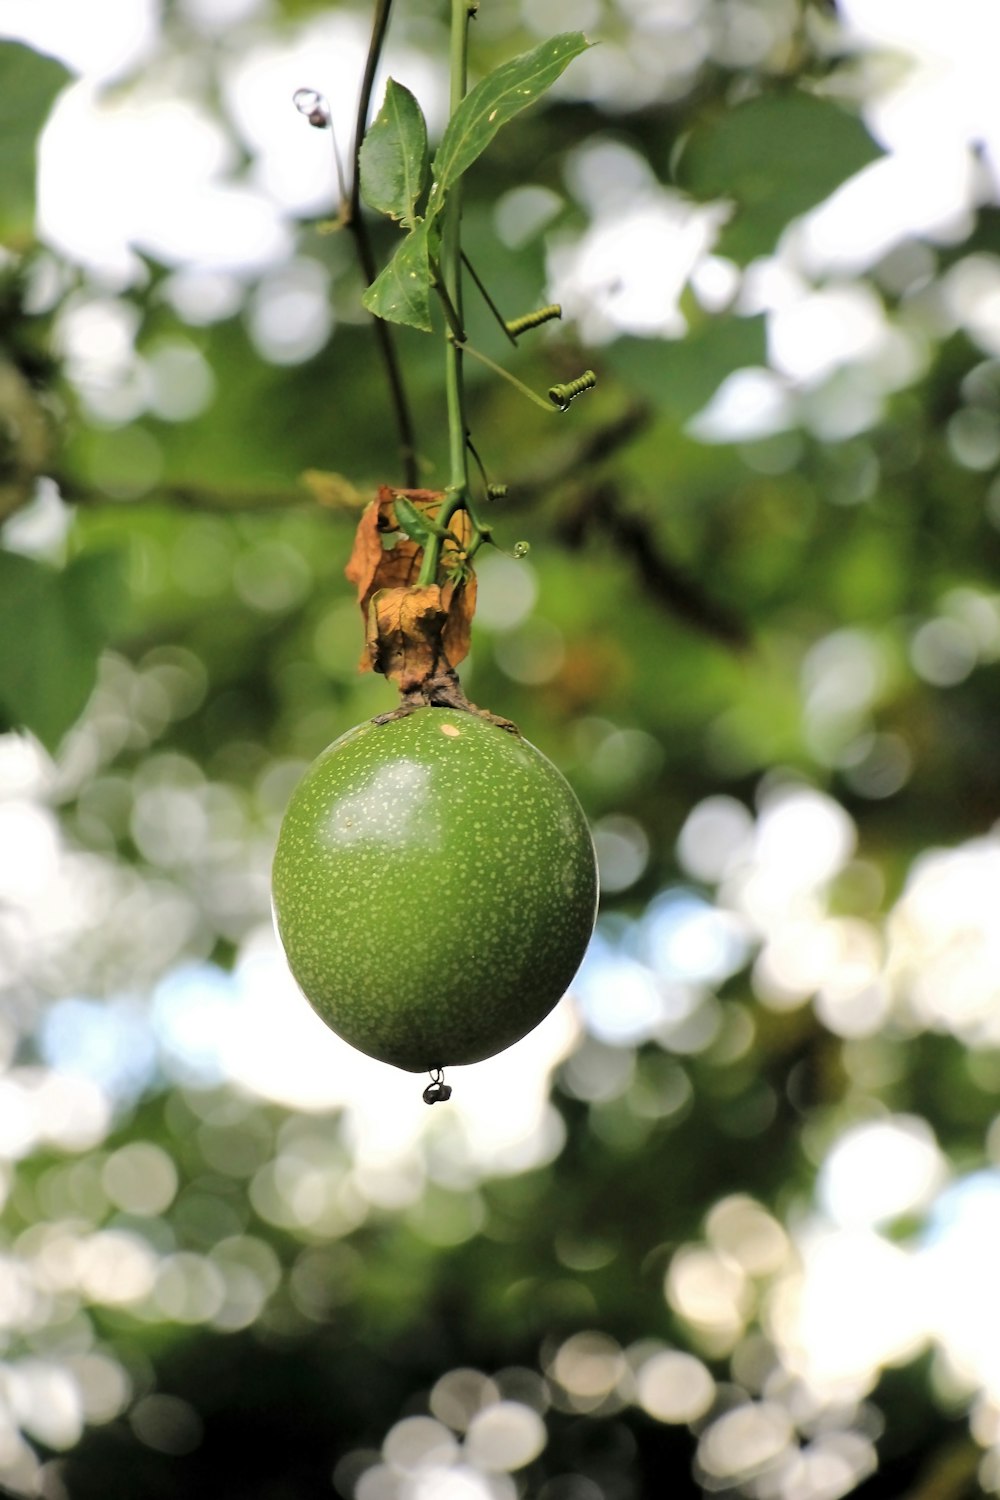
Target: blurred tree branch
(591,447)
(190,496)
(601,509)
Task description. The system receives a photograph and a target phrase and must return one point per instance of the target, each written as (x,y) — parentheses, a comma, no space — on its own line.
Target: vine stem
(457,492)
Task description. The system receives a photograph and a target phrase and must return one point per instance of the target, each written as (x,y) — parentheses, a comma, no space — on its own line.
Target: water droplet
(312,104)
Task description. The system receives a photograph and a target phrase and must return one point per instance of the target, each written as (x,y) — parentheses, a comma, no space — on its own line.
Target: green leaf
(412,522)
(28,84)
(496,99)
(54,624)
(394,158)
(401,291)
(775,157)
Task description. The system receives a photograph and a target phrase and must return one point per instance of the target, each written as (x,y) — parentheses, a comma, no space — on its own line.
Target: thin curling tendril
(562,395)
(516,326)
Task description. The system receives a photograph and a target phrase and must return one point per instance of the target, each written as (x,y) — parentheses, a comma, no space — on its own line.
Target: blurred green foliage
(28,84)
(732,157)
(768,664)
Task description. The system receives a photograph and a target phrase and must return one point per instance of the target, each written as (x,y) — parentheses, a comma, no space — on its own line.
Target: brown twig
(585,452)
(667,581)
(190,497)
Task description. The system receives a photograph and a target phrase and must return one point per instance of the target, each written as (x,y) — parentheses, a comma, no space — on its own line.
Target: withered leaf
(405,626)
(377,569)
(458,600)
(366,553)
(413,631)
(373,565)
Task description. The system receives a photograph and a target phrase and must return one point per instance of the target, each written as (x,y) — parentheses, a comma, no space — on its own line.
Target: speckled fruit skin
(434,888)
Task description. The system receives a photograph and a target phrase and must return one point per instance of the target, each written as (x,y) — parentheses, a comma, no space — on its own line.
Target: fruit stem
(451,261)
(457,492)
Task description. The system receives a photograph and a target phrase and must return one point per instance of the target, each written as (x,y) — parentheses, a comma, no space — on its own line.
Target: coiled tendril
(515,326)
(562,395)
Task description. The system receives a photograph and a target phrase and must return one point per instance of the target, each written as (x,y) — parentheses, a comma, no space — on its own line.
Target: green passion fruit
(434,887)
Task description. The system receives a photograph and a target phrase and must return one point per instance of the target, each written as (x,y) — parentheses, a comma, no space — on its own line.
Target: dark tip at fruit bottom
(437,1091)
(434,888)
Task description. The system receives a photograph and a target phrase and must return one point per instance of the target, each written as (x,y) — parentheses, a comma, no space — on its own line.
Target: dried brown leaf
(372,564)
(405,627)
(366,553)
(459,603)
(410,631)
(462,527)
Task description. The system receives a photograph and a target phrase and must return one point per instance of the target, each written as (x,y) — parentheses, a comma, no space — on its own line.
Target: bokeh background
(728,1222)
